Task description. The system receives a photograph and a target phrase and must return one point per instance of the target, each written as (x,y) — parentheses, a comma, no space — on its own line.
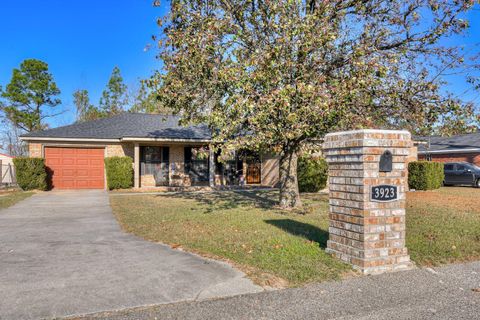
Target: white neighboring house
(7,170)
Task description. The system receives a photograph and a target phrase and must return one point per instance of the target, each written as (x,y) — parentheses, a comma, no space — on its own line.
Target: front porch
(195,165)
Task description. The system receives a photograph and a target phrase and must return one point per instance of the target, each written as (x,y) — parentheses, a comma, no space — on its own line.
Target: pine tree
(114,98)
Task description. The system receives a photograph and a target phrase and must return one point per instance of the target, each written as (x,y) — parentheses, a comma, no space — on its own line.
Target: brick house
(164,154)
(459,148)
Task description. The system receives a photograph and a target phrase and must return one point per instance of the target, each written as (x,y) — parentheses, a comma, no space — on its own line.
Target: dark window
(219,166)
(449,167)
(152,154)
(460,167)
(155,161)
(187,154)
(197,164)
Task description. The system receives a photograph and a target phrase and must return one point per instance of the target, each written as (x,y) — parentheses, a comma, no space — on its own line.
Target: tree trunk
(289,195)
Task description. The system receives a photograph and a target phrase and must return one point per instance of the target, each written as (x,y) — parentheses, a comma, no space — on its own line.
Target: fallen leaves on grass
(451,197)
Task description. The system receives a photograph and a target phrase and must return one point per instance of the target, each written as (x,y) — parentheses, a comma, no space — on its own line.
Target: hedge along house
(459,148)
(164,154)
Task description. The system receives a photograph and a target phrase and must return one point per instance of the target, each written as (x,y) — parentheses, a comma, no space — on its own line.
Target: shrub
(312,174)
(119,172)
(425,175)
(31,173)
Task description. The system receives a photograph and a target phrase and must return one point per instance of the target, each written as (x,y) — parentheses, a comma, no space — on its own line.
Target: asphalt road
(63,253)
(451,292)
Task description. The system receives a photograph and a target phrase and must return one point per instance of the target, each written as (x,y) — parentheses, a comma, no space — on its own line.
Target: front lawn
(443,226)
(9,198)
(288,248)
(271,246)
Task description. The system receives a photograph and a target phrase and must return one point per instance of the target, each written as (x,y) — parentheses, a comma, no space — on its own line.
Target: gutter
(126,139)
(133,139)
(68,139)
(450,151)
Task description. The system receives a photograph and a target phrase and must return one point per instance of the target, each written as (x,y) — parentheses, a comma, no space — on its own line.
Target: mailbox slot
(386,160)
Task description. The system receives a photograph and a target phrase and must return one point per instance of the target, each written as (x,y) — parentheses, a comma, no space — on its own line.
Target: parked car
(461,173)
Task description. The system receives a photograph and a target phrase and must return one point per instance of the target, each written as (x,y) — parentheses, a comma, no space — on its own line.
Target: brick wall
(455,157)
(35,150)
(413,154)
(120,150)
(177,158)
(270,171)
(147,181)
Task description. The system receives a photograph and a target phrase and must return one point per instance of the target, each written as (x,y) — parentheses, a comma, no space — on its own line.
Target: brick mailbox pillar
(367,183)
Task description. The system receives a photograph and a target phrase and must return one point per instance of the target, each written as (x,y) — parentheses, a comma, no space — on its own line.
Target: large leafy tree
(114,97)
(31,89)
(467,121)
(270,75)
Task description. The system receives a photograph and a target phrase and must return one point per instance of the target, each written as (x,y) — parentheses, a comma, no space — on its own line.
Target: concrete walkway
(63,253)
(451,292)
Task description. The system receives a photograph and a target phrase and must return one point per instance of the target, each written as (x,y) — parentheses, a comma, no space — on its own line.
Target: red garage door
(75,168)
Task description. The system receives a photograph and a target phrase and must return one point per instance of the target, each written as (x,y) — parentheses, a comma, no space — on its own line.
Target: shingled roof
(126,125)
(463,142)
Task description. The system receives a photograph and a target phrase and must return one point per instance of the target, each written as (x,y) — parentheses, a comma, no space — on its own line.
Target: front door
(254,171)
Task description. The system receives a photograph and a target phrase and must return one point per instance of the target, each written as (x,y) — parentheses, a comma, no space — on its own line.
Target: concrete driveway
(63,253)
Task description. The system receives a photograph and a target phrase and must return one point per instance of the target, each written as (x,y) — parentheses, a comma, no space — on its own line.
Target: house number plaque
(384,193)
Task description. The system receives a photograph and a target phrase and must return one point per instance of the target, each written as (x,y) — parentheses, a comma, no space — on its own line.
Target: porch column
(211,166)
(136,166)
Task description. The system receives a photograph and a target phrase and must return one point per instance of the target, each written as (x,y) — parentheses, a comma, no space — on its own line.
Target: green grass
(281,248)
(9,198)
(443,226)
